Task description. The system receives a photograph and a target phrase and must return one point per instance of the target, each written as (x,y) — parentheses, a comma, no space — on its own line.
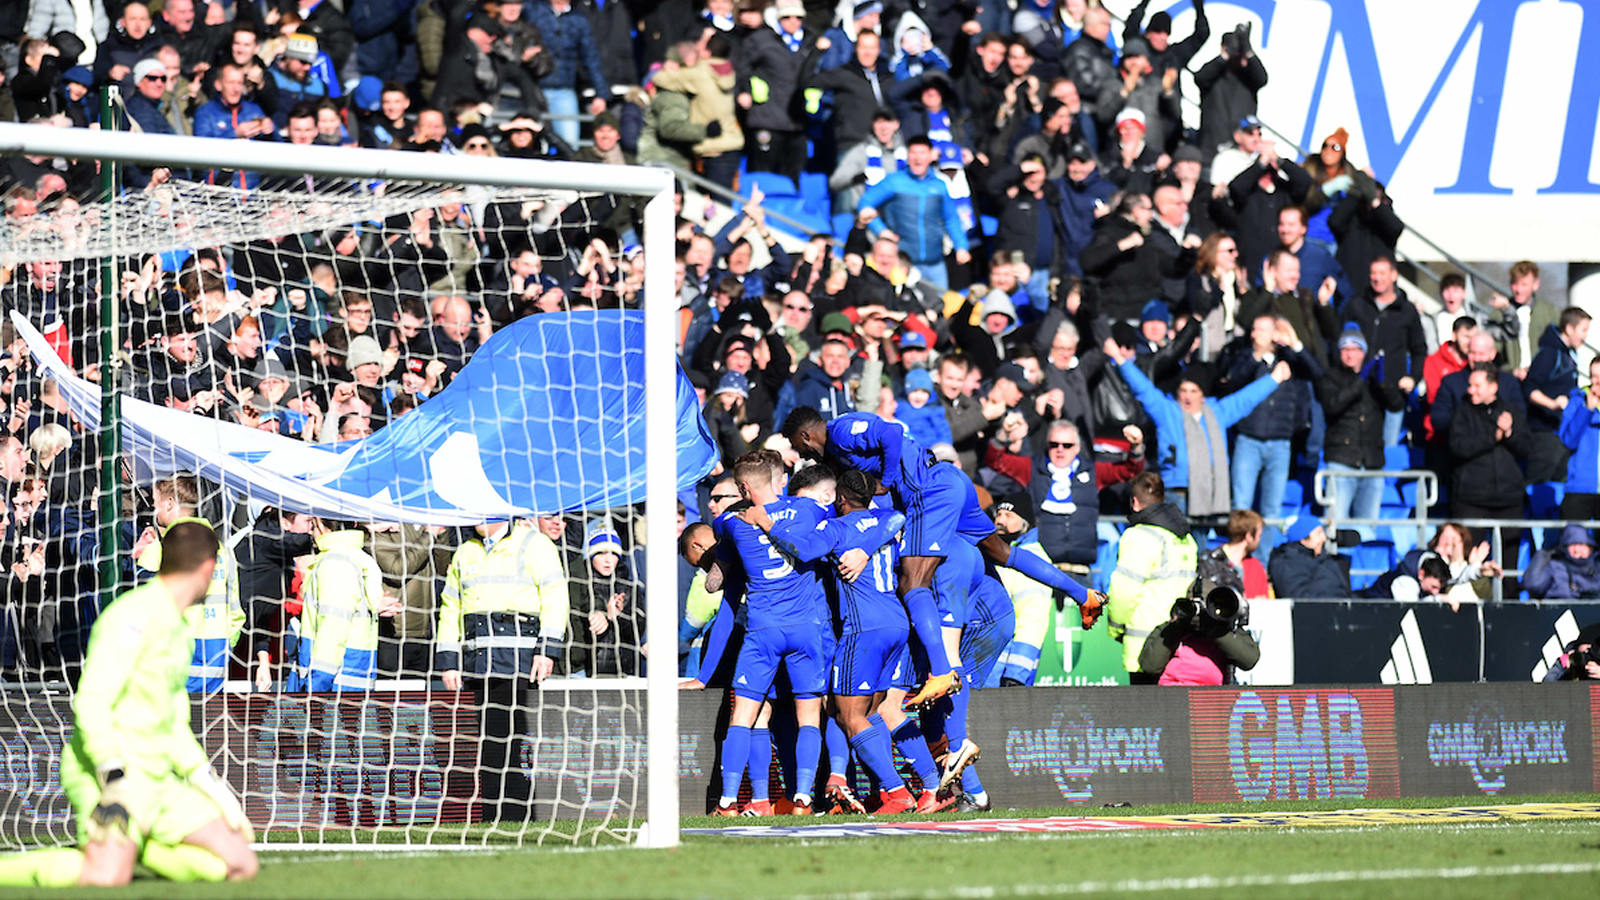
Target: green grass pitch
(1447,860)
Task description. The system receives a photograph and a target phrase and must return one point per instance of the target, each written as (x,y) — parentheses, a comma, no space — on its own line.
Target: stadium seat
(1375,556)
(1396,458)
(771,183)
(1294,496)
(842,223)
(814,190)
(989,224)
(1105,561)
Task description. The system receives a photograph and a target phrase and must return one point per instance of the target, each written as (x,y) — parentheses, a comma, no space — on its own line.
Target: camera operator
(1581,659)
(1203,640)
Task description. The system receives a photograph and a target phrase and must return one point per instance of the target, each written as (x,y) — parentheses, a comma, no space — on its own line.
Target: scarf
(1059,501)
(793,40)
(613,156)
(1208,464)
(939,126)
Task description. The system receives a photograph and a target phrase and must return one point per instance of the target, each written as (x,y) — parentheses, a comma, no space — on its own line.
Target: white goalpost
(392,192)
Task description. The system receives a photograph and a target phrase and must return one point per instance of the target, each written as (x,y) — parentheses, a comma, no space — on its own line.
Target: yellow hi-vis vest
(339,621)
(504,601)
(220,617)
(1154,568)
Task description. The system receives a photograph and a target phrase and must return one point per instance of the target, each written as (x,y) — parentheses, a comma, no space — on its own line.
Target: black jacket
(1090,64)
(1288,407)
(1484,471)
(1364,231)
(1125,280)
(1298,574)
(854,102)
(1258,210)
(765,56)
(1314,323)
(1228,89)
(1354,406)
(1068,537)
(1452,396)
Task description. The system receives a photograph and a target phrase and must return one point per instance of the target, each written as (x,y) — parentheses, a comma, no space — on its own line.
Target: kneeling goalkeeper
(138,780)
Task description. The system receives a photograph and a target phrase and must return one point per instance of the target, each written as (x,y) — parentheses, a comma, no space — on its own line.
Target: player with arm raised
(784,625)
(138,780)
(940,506)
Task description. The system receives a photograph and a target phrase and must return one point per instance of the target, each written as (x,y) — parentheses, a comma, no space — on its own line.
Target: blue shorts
(993,624)
(803,653)
(867,662)
(944,510)
(954,582)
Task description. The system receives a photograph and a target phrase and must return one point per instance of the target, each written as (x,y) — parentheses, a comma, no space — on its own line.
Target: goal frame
(660,829)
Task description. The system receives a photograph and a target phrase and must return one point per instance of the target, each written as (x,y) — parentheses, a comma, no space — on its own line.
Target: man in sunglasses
(144,108)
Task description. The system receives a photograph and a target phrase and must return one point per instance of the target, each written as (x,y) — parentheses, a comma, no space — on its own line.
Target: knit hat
(1352,337)
(734,383)
(1155,311)
(739,342)
(368,95)
(302,47)
(1015,374)
(78,75)
(1187,153)
(1049,108)
(1136,46)
(363,351)
(272,367)
(600,537)
(147,67)
(836,321)
(1019,503)
(1300,528)
(1340,137)
(1130,115)
(919,380)
(1160,23)
(866,8)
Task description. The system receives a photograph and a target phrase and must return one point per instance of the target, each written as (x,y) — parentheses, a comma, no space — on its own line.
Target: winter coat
(765,56)
(919,210)
(1452,396)
(854,101)
(1298,574)
(1286,409)
(570,40)
(612,26)
(1554,373)
(1354,404)
(926,423)
(1553,575)
(1580,431)
(1092,67)
(1173,457)
(385,33)
(1485,470)
(1068,511)
(813,388)
(1258,209)
(1076,216)
(120,50)
(1227,94)
(1125,280)
(1315,323)
(1395,333)
(709,84)
(669,133)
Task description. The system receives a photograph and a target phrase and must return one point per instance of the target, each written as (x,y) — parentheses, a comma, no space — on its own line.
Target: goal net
(416,400)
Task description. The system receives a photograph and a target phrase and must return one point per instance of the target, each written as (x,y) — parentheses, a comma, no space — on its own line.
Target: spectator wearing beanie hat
(1164,55)
(1354,396)
(604,605)
(922,413)
(1299,569)
(727,415)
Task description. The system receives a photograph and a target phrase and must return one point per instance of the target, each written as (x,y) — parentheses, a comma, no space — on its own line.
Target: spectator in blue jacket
(1567,571)
(1261,451)
(231,116)
(823,386)
(569,39)
(1317,264)
(1550,380)
(913,207)
(1580,432)
(385,33)
(924,418)
(1192,431)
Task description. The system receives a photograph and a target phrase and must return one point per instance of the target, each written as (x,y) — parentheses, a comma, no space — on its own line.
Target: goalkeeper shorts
(168,808)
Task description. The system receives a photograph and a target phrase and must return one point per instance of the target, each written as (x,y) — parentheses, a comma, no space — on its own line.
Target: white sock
(981,798)
(803,798)
(726,802)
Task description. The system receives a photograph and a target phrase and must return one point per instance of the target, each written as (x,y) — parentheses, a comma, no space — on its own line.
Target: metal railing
(731,197)
(1427,486)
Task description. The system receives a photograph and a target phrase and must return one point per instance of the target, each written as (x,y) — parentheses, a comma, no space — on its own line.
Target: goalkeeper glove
(221,794)
(1091,608)
(112,815)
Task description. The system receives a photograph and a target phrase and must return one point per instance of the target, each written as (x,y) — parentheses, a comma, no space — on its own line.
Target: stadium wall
(308,764)
(1478,115)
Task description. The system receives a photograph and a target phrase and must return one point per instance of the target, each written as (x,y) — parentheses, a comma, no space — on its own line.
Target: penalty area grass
(1444,860)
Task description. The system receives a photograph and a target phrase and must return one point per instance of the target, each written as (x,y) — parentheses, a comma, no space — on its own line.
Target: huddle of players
(871,574)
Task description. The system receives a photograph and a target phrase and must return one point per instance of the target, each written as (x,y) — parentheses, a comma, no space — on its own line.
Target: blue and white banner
(549,416)
(1478,115)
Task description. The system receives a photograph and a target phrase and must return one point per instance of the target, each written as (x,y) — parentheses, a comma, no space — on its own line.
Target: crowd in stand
(1149,297)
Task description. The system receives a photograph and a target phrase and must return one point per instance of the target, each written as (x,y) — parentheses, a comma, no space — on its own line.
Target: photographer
(1204,637)
(1580,661)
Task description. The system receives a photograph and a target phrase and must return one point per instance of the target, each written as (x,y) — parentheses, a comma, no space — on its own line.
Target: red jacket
(1440,363)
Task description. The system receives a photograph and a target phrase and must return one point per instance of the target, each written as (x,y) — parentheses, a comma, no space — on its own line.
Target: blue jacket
(385,33)
(1076,211)
(570,41)
(1580,431)
(919,210)
(815,389)
(1317,264)
(215,120)
(928,424)
(1553,575)
(1173,459)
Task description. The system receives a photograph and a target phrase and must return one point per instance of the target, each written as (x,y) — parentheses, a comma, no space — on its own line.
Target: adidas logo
(1408,658)
(934,545)
(1566,633)
(864,686)
(949,619)
(742,680)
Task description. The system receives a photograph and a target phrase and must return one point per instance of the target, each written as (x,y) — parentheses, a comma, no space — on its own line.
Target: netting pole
(661,515)
(110,375)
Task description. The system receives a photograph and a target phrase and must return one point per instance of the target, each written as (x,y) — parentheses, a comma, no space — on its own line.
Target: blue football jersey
(779,592)
(870,601)
(881,449)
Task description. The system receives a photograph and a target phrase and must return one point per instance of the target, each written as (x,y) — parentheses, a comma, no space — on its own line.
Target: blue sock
(838,748)
(924,612)
(807,753)
(760,762)
(735,752)
(954,709)
(873,750)
(914,747)
(970,782)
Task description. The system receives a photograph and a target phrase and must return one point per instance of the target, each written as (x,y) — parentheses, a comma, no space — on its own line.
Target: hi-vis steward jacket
(339,620)
(504,602)
(1031,601)
(1156,562)
(214,623)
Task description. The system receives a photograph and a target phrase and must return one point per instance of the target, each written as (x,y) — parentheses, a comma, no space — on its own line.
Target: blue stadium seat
(794,208)
(1105,561)
(842,223)
(1397,457)
(1294,495)
(814,190)
(771,183)
(1377,556)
